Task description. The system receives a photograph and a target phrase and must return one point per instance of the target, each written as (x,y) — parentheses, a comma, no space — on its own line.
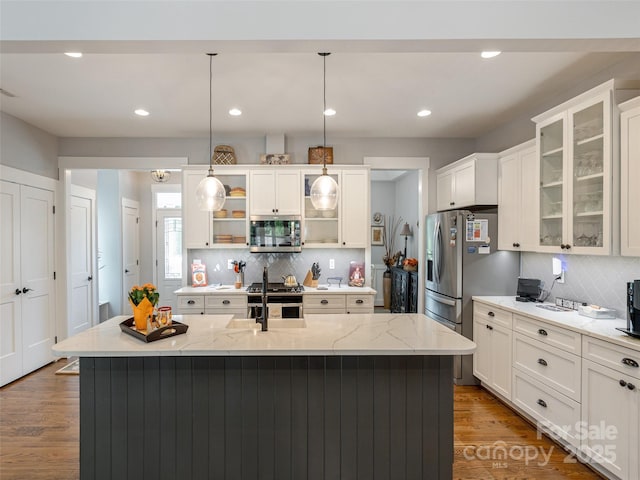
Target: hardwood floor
(39,435)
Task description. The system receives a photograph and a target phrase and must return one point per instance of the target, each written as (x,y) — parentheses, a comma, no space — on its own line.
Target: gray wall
(407,208)
(383,200)
(593,279)
(26,147)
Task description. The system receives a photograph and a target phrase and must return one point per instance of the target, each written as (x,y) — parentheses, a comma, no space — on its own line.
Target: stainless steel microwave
(275,234)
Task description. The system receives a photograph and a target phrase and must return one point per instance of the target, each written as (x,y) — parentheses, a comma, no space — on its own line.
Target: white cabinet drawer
(359,303)
(322,311)
(553,367)
(225,301)
(622,359)
(485,313)
(562,338)
(323,302)
(558,413)
(191,302)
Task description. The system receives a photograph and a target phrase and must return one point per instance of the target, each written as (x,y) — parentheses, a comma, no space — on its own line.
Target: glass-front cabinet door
(574,148)
(321,227)
(591,172)
(551,150)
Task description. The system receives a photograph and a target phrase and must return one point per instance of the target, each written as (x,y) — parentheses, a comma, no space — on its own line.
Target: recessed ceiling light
(329,112)
(490,54)
(424,113)
(142,112)
(235,112)
(73,54)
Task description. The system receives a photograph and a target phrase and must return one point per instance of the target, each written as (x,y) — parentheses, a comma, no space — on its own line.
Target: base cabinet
(404,291)
(611,411)
(492,359)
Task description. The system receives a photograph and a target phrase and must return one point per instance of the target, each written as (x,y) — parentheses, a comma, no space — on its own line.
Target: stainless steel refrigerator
(462,261)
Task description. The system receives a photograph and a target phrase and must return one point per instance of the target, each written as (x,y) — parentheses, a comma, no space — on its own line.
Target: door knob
(25,290)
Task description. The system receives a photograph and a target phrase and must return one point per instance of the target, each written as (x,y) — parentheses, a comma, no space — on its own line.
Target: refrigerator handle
(438,251)
(435,252)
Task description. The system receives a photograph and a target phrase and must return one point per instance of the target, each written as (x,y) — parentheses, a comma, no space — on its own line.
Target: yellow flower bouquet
(143,300)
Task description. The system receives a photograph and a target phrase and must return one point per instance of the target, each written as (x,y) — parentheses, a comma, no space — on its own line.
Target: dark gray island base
(266,417)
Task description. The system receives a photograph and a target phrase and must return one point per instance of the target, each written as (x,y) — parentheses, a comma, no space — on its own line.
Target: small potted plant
(143,300)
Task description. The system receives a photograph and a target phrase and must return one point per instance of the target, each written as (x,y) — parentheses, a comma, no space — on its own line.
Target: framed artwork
(377,219)
(377,237)
(356,274)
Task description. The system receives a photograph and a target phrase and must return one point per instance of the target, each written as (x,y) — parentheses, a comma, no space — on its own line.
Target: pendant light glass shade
(160,176)
(210,193)
(324,190)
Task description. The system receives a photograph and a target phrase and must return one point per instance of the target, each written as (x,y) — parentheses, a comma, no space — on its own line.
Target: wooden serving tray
(176,328)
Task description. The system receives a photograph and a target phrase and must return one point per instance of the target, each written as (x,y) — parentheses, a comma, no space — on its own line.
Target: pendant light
(324,190)
(210,194)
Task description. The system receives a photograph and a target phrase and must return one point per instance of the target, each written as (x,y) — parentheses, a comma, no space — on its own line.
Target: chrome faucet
(262,319)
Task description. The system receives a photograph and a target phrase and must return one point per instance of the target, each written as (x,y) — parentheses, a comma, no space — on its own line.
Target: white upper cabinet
(275,192)
(354,208)
(471,181)
(574,175)
(348,225)
(228,227)
(517,198)
(196,223)
(630,177)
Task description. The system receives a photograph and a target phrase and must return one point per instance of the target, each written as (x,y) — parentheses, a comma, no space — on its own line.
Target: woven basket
(224,155)
(315,155)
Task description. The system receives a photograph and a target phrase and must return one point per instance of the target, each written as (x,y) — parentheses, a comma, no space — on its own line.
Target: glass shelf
(553,152)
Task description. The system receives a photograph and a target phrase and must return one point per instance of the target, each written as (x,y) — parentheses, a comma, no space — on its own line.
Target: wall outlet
(332,264)
(561,279)
(230,264)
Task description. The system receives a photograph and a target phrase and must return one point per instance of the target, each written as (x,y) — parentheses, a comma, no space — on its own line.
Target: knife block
(309,281)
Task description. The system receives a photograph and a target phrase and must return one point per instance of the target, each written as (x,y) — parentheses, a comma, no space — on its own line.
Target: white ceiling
(375,94)
(390,59)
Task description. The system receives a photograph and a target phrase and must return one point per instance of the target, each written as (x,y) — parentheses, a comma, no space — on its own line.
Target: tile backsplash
(593,279)
(279,264)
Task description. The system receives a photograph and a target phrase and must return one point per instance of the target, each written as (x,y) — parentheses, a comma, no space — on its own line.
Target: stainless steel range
(282,301)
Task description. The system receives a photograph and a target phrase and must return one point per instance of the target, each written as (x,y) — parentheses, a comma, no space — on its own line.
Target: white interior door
(10,284)
(130,248)
(36,266)
(82,253)
(169,255)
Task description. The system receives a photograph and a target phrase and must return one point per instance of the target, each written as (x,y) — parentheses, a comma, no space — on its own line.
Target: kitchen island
(340,396)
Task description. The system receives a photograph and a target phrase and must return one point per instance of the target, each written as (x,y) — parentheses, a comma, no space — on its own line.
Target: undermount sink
(250,323)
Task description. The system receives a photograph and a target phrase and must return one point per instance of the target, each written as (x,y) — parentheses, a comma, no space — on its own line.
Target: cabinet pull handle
(631,386)
(324,301)
(25,290)
(623,383)
(567,246)
(452,203)
(542,403)
(18,291)
(630,362)
(191,302)
(542,332)
(226,302)
(542,362)
(359,300)
(491,314)
(489,327)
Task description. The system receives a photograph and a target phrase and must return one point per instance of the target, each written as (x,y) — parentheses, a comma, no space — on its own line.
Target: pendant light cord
(324,109)
(211,55)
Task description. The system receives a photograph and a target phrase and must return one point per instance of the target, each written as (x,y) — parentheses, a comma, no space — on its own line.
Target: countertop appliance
(275,234)
(282,301)
(633,309)
(462,261)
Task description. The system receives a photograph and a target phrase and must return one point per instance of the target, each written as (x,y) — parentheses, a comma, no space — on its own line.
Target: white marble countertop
(604,329)
(230,289)
(208,335)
